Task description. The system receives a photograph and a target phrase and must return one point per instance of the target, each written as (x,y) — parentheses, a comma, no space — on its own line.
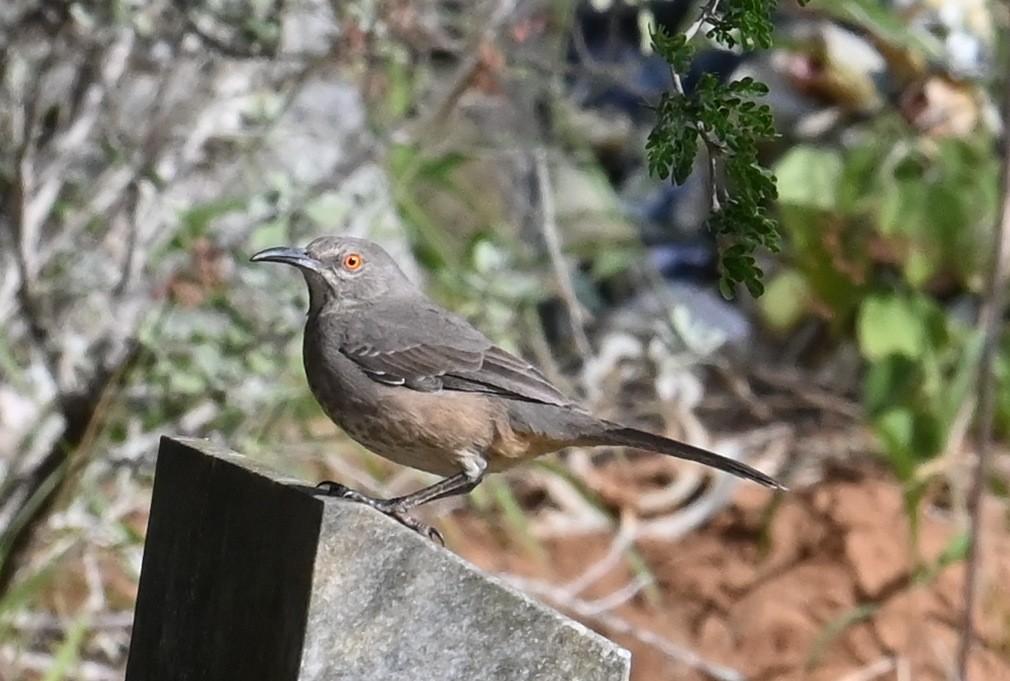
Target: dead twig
(43,663)
(873,670)
(549,228)
(590,611)
(462,76)
(623,540)
(990,322)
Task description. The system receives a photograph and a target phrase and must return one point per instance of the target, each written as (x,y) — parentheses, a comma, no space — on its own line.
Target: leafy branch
(725,119)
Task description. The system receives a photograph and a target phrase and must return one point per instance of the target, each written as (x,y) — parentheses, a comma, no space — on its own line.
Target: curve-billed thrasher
(422,387)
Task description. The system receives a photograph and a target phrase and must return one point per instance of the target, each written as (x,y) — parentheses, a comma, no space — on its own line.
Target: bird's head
(343,270)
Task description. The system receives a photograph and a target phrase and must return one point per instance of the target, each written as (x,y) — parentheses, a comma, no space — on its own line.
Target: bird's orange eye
(352,261)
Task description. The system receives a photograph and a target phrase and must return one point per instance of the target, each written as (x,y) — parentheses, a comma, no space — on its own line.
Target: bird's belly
(427,431)
(431,431)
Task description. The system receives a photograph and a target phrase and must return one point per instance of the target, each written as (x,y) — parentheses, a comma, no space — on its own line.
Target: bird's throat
(319,291)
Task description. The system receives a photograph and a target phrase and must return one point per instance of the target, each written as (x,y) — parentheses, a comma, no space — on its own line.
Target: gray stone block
(248,575)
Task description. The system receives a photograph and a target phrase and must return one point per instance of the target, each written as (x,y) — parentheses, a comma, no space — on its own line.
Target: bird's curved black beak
(298,257)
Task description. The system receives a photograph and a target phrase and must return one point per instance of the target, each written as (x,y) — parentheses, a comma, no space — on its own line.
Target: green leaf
(919,267)
(889,324)
(834,628)
(515,516)
(328,208)
(196,221)
(69,651)
(271,233)
(613,261)
(26,589)
(673,48)
(809,176)
(1001,369)
(786,301)
(955,551)
(891,381)
(896,429)
(439,169)
(725,118)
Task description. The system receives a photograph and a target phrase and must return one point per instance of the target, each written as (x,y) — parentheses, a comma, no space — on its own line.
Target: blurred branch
(22,203)
(591,611)
(614,73)
(707,12)
(873,670)
(463,74)
(990,323)
(549,229)
(29,496)
(725,118)
(90,116)
(623,540)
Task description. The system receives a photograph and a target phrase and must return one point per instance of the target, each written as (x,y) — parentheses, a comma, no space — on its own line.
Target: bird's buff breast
(427,431)
(431,431)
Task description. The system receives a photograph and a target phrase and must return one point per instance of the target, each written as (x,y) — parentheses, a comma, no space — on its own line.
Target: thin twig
(463,75)
(618,598)
(990,321)
(715,205)
(873,670)
(679,523)
(712,146)
(614,73)
(624,538)
(707,12)
(47,623)
(903,671)
(573,514)
(549,226)
(86,670)
(619,625)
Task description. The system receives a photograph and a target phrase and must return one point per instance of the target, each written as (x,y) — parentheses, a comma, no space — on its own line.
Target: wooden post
(250,576)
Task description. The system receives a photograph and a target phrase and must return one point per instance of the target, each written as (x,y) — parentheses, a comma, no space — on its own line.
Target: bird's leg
(474,466)
(399,507)
(461,483)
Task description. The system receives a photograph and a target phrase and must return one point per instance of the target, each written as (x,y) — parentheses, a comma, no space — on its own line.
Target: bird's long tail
(622,436)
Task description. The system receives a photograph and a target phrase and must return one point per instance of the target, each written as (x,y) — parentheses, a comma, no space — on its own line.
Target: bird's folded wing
(504,374)
(427,349)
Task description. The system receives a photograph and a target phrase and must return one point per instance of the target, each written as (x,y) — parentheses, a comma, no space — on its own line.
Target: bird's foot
(423,529)
(390,507)
(335,489)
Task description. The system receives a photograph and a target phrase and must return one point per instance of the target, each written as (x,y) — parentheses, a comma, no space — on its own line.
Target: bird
(421,386)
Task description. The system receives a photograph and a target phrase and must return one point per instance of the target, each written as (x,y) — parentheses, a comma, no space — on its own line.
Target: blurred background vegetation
(502,151)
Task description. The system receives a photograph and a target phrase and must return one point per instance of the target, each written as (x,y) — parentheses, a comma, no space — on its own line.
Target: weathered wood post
(249,576)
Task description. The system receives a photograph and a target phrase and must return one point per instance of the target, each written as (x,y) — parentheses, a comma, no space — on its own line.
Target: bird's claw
(413,523)
(335,489)
(389,507)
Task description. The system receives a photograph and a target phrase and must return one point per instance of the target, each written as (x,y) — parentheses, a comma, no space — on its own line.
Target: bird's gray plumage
(416,344)
(421,386)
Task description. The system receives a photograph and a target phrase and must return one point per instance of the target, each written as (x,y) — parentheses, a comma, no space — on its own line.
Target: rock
(247,575)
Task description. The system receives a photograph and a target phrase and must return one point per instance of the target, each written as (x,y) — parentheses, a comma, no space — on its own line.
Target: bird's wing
(423,347)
